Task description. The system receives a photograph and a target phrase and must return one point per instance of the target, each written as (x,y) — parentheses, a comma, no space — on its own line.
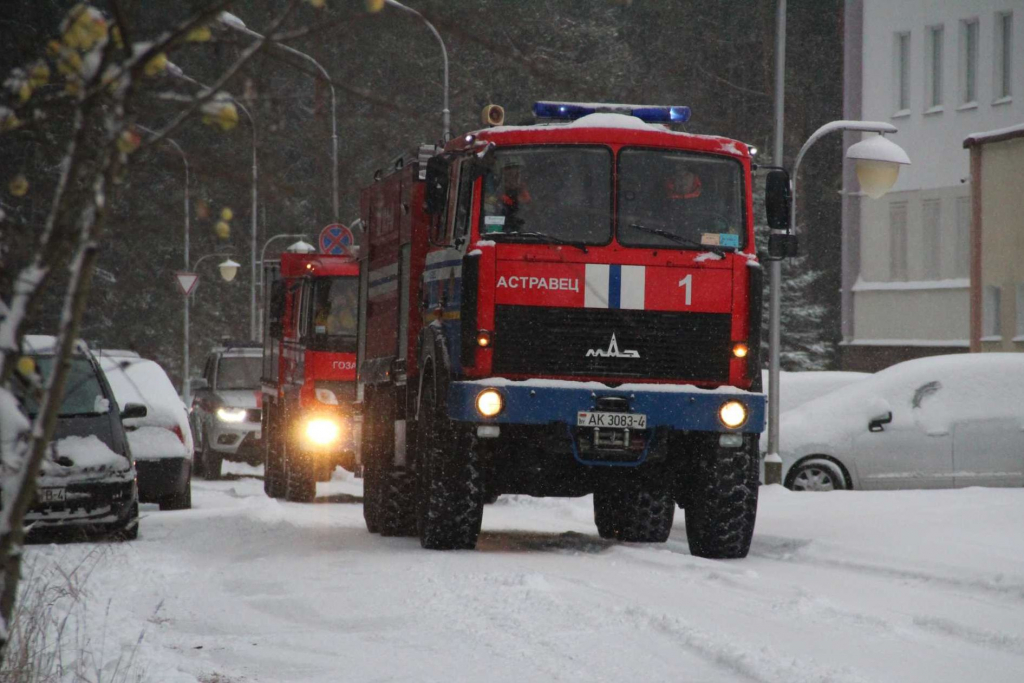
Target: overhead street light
(878,162)
(228,270)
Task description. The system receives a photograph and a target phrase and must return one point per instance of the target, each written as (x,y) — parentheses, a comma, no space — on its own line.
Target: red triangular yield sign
(186,281)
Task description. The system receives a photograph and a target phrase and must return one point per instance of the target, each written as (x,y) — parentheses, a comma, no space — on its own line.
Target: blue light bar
(570,111)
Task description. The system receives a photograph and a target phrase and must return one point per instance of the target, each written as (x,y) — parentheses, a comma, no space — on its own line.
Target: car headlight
(732,414)
(489,402)
(230,414)
(322,431)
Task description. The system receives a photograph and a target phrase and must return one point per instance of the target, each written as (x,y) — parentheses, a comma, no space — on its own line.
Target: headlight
(322,431)
(489,402)
(732,414)
(230,414)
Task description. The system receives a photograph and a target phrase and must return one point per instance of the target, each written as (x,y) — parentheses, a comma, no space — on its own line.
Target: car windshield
(239,372)
(692,199)
(559,192)
(83,394)
(336,306)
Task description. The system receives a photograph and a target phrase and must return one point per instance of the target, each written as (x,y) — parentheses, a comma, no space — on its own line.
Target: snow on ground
(846,586)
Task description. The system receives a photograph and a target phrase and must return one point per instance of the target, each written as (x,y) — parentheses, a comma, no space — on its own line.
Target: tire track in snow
(983,638)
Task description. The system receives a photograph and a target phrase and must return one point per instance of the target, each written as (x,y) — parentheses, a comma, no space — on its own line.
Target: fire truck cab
(309,370)
(563,309)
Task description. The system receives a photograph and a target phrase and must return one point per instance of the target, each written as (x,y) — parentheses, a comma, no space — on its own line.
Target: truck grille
(577,342)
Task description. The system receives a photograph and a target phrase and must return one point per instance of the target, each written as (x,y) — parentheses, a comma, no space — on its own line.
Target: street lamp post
(446,133)
(177,72)
(236,24)
(228,270)
(263,257)
(878,160)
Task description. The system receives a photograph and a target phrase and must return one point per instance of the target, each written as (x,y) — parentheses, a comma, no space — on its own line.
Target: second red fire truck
(309,371)
(562,309)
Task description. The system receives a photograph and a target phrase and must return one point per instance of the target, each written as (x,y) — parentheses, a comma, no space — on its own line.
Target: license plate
(611,420)
(52,495)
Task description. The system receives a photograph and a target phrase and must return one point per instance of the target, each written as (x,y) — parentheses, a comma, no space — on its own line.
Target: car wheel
(130,532)
(817,476)
(211,461)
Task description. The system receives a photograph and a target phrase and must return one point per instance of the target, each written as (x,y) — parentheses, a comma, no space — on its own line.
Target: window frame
(898,242)
(991,313)
(931,234)
(901,73)
(1002,58)
(935,51)
(970,35)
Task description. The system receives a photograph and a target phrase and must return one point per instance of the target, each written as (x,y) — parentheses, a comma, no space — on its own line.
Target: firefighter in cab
(506,196)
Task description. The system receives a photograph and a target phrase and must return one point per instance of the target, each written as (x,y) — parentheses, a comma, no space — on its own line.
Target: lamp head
(228,270)
(878,163)
(301,247)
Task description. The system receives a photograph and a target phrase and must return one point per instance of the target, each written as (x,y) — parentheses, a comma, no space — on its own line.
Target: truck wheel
(636,511)
(451,479)
(299,479)
(722,504)
(371,498)
(398,507)
(274,483)
(211,462)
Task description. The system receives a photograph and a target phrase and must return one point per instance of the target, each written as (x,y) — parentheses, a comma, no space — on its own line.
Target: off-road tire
(638,510)
(721,507)
(451,481)
(211,462)
(398,509)
(371,498)
(274,483)
(179,501)
(299,480)
(130,532)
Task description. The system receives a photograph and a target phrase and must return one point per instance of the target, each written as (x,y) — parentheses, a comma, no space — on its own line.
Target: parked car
(161,441)
(87,482)
(797,388)
(225,414)
(938,422)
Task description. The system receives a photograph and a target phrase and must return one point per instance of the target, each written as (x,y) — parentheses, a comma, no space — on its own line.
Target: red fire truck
(561,309)
(309,370)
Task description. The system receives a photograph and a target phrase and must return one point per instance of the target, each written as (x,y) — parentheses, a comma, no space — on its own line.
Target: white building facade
(938,70)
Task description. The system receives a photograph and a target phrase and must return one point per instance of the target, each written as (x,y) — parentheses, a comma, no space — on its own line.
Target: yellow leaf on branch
(226,214)
(128,142)
(39,75)
(200,34)
(18,186)
(319,4)
(374,6)
(222,229)
(156,65)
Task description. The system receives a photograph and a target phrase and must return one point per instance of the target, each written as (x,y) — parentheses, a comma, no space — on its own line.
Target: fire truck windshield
(335,313)
(556,191)
(695,198)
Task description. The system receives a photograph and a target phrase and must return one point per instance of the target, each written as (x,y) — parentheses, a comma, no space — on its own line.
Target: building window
(901,68)
(969,61)
(933,58)
(1004,56)
(898,241)
(1020,311)
(963,236)
(931,226)
(990,312)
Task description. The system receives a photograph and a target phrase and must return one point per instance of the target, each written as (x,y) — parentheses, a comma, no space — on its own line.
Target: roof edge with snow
(998,135)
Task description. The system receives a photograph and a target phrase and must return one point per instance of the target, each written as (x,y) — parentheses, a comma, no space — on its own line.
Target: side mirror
(777,200)
(437,184)
(133,410)
(198,383)
(875,425)
(782,245)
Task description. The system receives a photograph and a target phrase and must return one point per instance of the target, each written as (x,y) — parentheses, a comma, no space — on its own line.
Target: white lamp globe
(878,163)
(228,270)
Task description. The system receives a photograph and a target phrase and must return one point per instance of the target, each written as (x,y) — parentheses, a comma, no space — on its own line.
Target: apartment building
(939,70)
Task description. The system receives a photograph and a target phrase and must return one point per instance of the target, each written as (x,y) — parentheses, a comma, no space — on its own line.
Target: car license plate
(611,420)
(52,495)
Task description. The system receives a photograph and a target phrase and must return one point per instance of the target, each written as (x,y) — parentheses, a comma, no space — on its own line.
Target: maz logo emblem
(612,351)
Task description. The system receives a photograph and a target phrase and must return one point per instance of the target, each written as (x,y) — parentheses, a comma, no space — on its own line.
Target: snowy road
(853,586)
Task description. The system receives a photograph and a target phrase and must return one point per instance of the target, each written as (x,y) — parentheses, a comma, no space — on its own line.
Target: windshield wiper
(541,236)
(680,240)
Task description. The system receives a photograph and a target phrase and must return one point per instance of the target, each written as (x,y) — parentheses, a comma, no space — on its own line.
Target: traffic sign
(186,281)
(336,239)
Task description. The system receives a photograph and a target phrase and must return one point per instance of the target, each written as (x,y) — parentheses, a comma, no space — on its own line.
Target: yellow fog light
(489,402)
(322,432)
(740,350)
(732,414)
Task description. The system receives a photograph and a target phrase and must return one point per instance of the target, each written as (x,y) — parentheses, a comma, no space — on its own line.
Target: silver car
(225,414)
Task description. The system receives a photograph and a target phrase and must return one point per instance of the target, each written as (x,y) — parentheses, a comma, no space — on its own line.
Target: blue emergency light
(570,111)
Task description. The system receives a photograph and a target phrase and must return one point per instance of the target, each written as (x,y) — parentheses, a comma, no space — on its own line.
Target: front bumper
(88,505)
(543,402)
(162,477)
(241,439)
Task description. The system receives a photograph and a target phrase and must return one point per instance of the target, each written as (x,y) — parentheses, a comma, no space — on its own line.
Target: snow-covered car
(87,482)
(161,441)
(226,412)
(797,388)
(939,422)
